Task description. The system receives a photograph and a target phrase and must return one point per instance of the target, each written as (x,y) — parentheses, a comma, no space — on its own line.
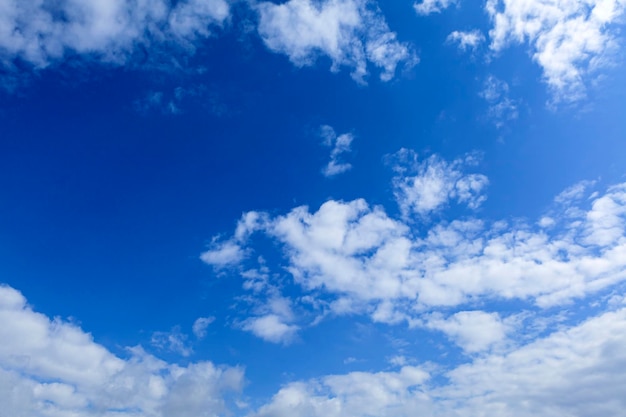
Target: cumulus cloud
(351,33)
(271,328)
(578,371)
(41,33)
(568,39)
(426,7)
(350,257)
(473,331)
(340,145)
(436,182)
(51,368)
(466,40)
(351,395)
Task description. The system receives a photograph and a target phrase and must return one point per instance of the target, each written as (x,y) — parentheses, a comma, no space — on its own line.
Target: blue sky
(312,208)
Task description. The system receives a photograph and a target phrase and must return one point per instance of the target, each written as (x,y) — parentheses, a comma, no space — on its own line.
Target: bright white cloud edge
(52,368)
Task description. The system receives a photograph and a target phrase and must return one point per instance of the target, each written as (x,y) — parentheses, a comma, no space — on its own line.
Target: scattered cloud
(340,145)
(466,40)
(42,33)
(423,187)
(352,258)
(51,368)
(351,33)
(351,395)
(201,325)
(501,107)
(568,39)
(271,328)
(556,375)
(426,7)
(173,341)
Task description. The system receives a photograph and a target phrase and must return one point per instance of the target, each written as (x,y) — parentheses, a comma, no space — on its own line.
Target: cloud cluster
(578,372)
(353,258)
(52,368)
(423,187)
(351,33)
(569,39)
(41,32)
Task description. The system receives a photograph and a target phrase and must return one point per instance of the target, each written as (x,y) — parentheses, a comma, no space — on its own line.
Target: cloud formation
(52,368)
(351,33)
(426,7)
(466,40)
(502,107)
(352,258)
(422,187)
(340,145)
(556,375)
(568,39)
(41,33)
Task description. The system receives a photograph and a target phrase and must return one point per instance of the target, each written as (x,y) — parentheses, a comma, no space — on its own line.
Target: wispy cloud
(340,145)
(466,40)
(426,7)
(501,107)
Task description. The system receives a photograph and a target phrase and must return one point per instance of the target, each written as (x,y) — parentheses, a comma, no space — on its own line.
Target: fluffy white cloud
(51,368)
(352,33)
(473,331)
(569,38)
(435,183)
(353,258)
(41,32)
(271,328)
(578,372)
(426,7)
(466,40)
(352,395)
(340,145)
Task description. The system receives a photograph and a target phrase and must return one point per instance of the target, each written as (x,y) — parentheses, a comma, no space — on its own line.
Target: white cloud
(569,39)
(574,192)
(51,368)
(271,328)
(354,258)
(174,341)
(436,183)
(501,107)
(466,40)
(42,32)
(340,145)
(352,33)
(473,331)
(426,7)
(201,325)
(579,372)
(351,395)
